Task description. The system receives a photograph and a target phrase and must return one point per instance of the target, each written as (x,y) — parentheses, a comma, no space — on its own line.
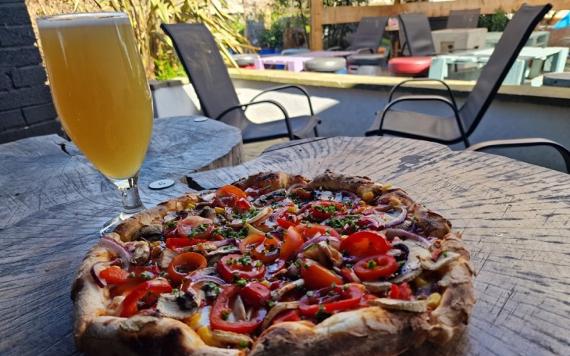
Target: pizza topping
(144,295)
(114,275)
(378,287)
(116,248)
(256,294)
(433,300)
(222,318)
(99,267)
(139,251)
(184,263)
(323,210)
(416,306)
(402,291)
(326,301)
(375,267)
(231,338)
(232,267)
(407,235)
(179,306)
(445,258)
(365,243)
(278,294)
(317,276)
(277,309)
(292,242)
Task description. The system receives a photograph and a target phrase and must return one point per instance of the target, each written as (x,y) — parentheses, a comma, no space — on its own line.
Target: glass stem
(130,195)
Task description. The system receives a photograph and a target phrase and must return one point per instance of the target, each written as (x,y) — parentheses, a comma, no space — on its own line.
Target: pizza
(273,264)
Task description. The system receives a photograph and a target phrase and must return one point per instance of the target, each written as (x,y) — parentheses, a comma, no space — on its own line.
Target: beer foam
(83,19)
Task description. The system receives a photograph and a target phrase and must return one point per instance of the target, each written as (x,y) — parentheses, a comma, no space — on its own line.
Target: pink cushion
(409,65)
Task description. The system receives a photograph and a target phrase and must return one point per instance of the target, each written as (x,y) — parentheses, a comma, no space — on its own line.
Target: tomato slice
(287,220)
(249,243)
(267,251)
(288,315)
(323,210)
(222,308)
(292,242)
(255,294)
(317,276)
(374,267)
(242,205)
(365,243)
(402,291)
(185,263)
(146,290)
(195,227)
(114,275)
(311,230)
(331,300)
(235,266)
(230,191)
(178,242)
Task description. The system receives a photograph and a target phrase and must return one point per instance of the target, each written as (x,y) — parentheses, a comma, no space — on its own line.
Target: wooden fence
(321,15)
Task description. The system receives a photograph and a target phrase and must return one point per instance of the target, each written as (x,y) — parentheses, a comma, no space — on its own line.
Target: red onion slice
(118,249)
(407,235)
(206,278)
(374,221)
(335,242)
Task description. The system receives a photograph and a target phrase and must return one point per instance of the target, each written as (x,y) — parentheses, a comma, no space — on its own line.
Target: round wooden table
(514,217)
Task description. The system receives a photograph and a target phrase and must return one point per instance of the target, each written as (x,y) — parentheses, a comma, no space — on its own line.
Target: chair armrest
(289,86)
(524,142)
(365,51)
(243,107)
(334,48)
(437,98)
(397,86)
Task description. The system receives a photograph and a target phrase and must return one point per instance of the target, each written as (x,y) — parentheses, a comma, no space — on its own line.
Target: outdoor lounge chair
(368,35)
(463,18)
(459,125)
(524,142)
(208,74)
(417,45)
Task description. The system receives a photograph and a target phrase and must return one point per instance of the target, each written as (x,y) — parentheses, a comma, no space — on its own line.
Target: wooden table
(515,218)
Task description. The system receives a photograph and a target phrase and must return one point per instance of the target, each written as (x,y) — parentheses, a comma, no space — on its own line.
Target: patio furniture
(292,63)
(463,18)
(524,142)
(530,64)
(292,51)
(536,39)
(511,216)
(460,39)
(246,60)
(208,74)
(458,126)
(417,45)
(560,79)
(368,34)
(326,65)
(367,64)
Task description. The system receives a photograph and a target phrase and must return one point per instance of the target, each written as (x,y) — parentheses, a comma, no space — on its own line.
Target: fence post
(316,41)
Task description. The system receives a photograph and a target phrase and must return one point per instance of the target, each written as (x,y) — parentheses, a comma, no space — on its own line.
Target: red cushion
(409,65)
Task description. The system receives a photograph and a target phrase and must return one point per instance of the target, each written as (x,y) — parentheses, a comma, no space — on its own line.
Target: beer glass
(101,94)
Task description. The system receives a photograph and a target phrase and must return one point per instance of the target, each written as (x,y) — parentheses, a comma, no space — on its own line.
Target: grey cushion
(302,127)
(367,59)
(325,64)
(245,59)
(557,79)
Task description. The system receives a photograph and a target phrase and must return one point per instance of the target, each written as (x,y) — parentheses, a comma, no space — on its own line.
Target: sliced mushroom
(277,308)
(377,287)
(443,261)
(416,306)
(412,267)
(139,250)
(224,250)
(331,253)
(231,338)
(261,216)
(149,233)
(239,309)
(166,257)
(178,306)
(207,212)
(279,293)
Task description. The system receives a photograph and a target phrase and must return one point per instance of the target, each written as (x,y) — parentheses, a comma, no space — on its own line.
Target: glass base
(131,200)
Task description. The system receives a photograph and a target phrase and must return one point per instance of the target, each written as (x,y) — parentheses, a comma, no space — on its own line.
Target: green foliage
(273,37)
(496,22)
(337,34)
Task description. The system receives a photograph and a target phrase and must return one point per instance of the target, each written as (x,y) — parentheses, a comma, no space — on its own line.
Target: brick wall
(26,107)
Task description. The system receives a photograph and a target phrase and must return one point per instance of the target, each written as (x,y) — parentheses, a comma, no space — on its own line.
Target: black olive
(186,301)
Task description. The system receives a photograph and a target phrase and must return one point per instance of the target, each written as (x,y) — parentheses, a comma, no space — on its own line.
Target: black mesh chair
(368,34)
(463,18)
(524,142)
(207,72)
(416,35)
(461,123)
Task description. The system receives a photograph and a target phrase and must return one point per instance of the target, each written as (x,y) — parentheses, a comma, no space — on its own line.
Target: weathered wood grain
(515,219)
(40,172)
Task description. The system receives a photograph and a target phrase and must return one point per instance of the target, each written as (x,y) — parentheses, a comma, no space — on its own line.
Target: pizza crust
(370,330)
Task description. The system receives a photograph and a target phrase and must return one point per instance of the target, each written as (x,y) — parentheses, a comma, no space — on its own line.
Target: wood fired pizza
(276,264)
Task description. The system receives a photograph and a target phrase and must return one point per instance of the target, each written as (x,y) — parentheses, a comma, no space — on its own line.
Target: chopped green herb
(243,344)
(225,314)
(241,282)
(371,264)
(170,224)
(147,275)
(271,304)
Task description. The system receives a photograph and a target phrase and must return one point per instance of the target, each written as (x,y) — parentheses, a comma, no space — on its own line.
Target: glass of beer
(101,94)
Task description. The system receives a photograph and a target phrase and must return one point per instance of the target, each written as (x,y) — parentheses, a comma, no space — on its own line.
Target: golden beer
(99,88)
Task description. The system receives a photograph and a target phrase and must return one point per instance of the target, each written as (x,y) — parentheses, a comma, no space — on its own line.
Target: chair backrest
(506,52)
(463,18)
(369,33)
(417,34)
(206,70)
